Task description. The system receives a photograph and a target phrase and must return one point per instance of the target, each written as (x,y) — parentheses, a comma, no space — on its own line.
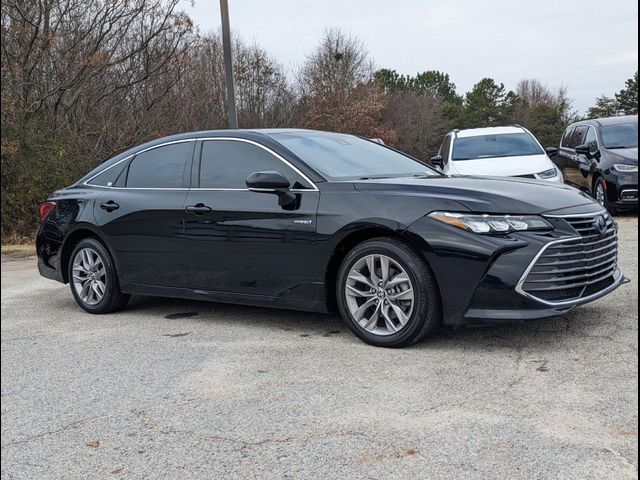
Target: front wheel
(600,194)
(387,294)
(93,280)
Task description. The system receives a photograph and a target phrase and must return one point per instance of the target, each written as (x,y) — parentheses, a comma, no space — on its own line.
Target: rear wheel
(386,294)
(93,280)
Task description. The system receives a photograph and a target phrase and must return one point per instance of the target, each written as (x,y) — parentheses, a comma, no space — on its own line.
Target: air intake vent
(568,270)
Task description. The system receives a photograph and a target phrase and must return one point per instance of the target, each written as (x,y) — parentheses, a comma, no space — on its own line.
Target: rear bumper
(48,271)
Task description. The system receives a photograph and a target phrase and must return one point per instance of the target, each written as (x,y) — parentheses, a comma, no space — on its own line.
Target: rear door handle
(109,206)
(198,209)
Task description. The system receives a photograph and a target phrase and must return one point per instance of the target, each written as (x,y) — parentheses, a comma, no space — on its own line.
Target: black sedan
(321,222)
(600,157)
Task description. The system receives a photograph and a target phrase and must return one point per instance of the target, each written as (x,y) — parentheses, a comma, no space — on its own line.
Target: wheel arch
(75,235)
(346,244)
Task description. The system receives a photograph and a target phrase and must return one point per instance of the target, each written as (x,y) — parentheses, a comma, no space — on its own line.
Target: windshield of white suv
(624,135)
(495,146)
(345,157)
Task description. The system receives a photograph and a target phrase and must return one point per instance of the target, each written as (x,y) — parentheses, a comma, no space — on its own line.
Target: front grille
(568,270)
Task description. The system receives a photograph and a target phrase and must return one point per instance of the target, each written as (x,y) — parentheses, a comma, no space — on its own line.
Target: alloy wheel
(379,294)
(89,276)
(600,194)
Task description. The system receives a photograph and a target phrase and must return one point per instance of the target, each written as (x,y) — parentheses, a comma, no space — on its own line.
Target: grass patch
(19,251)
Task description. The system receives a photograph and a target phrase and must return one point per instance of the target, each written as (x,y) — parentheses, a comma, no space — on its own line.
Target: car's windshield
(345,157)
(624,135)
(495,146)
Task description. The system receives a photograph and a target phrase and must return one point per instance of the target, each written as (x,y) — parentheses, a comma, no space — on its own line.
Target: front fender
(459,261)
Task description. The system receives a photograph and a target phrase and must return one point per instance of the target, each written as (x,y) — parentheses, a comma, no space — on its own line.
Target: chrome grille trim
(564,271)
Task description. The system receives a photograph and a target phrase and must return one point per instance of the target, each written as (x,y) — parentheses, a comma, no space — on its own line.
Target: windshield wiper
(621,146)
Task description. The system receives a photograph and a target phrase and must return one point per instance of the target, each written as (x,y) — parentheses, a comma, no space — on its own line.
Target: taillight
(45,209)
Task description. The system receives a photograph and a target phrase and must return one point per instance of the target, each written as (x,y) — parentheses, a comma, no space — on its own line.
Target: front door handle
(198,209)
(109,206)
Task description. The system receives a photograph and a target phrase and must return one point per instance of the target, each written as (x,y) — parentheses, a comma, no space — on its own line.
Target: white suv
(498,152)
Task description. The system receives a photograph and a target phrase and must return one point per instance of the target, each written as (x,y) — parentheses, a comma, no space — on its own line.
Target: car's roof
(477,132)
(263,135)
(609,120)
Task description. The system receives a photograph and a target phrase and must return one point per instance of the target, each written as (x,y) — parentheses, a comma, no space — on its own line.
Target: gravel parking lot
(185,389)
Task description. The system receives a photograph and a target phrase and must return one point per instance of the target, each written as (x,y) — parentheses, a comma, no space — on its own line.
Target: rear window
(161,167)
(495,146)
(111,177)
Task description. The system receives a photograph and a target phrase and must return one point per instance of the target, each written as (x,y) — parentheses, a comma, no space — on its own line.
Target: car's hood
(626,155)
(502,166)
(489,194)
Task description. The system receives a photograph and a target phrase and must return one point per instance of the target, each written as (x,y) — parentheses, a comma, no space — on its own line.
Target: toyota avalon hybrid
(321,222)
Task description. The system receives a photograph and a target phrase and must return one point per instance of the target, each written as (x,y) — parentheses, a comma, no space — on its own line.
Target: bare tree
(418,121)
(544,111)
(338,91)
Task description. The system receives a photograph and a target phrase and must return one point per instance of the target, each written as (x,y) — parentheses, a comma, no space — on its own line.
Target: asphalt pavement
(185,389)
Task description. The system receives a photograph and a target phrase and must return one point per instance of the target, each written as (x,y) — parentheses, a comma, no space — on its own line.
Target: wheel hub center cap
(381,293)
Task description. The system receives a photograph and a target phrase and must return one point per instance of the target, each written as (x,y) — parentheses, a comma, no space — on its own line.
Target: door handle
(109,206)
(198,209)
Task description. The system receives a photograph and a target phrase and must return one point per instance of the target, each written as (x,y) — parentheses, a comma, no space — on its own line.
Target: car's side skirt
(225,297)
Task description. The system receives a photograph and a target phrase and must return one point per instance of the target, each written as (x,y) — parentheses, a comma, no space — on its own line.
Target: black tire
(113,299)
(599,182)
(426,315)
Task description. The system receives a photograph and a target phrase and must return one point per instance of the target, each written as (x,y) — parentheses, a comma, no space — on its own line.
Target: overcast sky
(590,46)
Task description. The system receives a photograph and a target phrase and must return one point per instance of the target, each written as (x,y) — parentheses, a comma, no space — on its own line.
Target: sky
(588,46)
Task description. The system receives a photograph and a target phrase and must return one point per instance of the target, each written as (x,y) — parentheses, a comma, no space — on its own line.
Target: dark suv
(600,156)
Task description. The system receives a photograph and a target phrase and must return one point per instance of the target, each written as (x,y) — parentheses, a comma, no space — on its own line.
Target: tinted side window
(445,148)
(591,139)
(228,163)
(161,167)
(578,136)
(566,138)
(111,177)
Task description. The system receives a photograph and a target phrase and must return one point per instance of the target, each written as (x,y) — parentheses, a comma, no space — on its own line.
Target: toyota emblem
(601,224)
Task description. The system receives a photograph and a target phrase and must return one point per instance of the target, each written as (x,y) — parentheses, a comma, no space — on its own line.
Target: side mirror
(551,151)
(584,150)
(438,161)
(273,182)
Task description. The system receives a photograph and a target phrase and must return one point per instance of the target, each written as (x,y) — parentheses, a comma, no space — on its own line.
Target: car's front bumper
(480,277)
(535,311)
(622,189)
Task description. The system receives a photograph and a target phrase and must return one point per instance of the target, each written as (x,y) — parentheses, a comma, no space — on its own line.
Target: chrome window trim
(131,156)
(313,188)
(267,149)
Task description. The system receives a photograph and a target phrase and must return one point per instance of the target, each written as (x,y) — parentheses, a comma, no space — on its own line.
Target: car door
(142,217)
(242,241)
(563,158)
(580,163)
(589,163)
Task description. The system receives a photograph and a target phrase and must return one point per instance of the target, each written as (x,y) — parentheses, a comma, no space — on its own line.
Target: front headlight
(492,223)
(552,172)
(625,168)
